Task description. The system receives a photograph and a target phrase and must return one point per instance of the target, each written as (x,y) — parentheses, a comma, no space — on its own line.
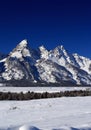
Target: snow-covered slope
(41,65)
(23,51)
(71,113)
(52,72)
(83,63)
(20,63)
(77,68)
(61,56)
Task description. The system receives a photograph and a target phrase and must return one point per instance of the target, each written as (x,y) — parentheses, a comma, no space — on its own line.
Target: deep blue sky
(47,22)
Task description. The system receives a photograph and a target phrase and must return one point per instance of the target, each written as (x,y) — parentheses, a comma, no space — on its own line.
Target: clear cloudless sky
(47,22)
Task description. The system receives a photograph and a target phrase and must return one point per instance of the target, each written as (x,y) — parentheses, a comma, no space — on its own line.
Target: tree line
(33,95)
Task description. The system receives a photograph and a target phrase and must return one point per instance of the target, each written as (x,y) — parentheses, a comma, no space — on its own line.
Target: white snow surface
(40,89)
(3,60)
(66,113)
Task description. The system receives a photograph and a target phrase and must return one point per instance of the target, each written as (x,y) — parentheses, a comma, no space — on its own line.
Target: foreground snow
(67,113)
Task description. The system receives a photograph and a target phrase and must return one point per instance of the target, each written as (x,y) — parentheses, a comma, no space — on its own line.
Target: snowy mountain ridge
(43,66)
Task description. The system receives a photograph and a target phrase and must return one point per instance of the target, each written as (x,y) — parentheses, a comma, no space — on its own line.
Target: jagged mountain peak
(82,57)
(42,48)
(21,50)
(59,52)
(23,43)
(60,47)
(43,52)
(56,66)
(75,54)
(19,64)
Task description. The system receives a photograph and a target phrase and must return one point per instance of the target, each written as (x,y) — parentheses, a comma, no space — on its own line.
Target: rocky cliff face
(41,65)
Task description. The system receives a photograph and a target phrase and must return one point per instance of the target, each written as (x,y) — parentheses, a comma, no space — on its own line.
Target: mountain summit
(56,66)
(21,50)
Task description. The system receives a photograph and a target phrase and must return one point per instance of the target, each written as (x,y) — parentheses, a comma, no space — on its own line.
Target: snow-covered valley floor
(66,113)
(41,89)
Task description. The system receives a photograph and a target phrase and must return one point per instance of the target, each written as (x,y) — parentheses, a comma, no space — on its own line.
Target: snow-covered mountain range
(56,66)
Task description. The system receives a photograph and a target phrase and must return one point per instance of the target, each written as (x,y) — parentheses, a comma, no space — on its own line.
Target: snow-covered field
(66,113)
(41,89)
